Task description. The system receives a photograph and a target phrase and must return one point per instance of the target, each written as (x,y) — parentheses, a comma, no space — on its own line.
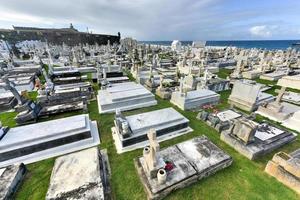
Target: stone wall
(56,36)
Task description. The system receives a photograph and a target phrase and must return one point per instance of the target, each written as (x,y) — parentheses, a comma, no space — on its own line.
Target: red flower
(169,166)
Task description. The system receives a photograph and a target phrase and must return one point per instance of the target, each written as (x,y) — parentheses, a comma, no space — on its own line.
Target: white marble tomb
(35,142)
(124,96)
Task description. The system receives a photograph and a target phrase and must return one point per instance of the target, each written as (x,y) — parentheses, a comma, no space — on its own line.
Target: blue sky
(162,19)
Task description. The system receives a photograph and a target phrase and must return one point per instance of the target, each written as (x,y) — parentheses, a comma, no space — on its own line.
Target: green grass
(244,179)
(223,73)
(41,77)
(7,119)
(32,95)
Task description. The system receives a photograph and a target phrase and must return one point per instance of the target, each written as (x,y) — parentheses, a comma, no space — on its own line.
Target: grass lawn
(223,73)
(244,179)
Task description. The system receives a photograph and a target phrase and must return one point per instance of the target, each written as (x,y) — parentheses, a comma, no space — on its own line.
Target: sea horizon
(248,44)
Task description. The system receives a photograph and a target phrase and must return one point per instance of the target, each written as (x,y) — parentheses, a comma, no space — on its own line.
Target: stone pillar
(104,74)
(109,66)
(98,74)
(161,81)
(181,85)
(280,95)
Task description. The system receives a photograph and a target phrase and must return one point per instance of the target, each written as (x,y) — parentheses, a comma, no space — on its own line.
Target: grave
(24,83)
(112,70)
(293,122)
(247,96)
(213,82)
(23,69)
(10,179)
(162,91)
(252,74)
(124,96)
(291,97)
(290,82)
(193,99)
(276,110)
(7,101)
(130,132)
(163,171)
(57,94)
(219,121)
(81,175)
(111,77)
(286,169)
(254,140)
(35,142)
(274,76)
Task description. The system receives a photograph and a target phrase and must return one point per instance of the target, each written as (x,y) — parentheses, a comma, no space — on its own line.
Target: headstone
(286,169)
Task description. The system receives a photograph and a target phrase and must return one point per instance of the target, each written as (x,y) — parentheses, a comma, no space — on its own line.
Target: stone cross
(184,62)
(205,76)
(109,65)
(280,95)
(181,85)
(151,70)
(98,73)
(154,148)
(104,74)
(161,81)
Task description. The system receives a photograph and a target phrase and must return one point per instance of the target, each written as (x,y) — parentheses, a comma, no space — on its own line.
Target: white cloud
(261,31)
(159,19)
(19,18)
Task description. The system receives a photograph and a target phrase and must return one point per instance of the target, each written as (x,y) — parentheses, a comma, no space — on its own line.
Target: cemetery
(178,117)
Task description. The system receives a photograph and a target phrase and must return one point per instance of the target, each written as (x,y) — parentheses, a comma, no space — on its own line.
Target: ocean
(248,44)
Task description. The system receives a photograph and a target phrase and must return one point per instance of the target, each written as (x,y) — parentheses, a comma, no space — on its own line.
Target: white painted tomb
(290,82)
(130,132)
(35,142)
(276,110)
(291,97)
(247,96)
(293,122)
(228,115)
(274,76)
(193,99)
(124,96)
(285,112)
(80,175)
(25,83)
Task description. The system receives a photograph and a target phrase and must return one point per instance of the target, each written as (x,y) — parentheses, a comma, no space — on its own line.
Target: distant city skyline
(162,19)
